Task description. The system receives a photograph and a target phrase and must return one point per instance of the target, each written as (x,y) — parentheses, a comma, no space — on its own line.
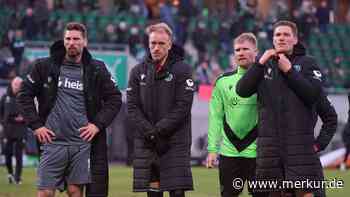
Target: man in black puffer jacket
(14,130)
(77,100)
(160,96)
(288,84)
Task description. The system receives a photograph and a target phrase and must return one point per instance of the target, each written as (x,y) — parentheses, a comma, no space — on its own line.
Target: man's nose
(156,47)
(240,53)
(70,42)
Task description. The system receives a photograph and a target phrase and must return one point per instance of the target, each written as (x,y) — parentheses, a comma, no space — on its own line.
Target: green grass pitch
(206,183)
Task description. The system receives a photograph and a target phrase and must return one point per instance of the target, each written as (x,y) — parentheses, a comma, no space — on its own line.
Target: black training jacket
(102,100)
(162,100)
(286,106)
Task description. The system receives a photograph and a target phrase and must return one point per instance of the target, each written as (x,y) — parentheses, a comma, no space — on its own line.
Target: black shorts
(232,168)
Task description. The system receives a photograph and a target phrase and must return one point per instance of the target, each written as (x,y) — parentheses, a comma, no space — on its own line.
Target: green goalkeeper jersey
(239,114)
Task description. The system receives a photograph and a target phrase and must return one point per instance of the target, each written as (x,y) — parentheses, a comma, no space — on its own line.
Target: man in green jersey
(232,123)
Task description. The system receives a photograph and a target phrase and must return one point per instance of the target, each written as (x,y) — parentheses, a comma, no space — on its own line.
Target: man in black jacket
(14,130)
(77,100)
(288,84)
(160,96)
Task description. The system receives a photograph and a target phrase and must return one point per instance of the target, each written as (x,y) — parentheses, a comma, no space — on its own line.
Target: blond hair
(160,27)
(250,37)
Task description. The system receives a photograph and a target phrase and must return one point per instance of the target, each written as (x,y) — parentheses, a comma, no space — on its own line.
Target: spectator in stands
(305,19)
(14,129)
(201,38)
(160,96)
(322,15)
(122,32)
(41,17)
(77,99)
(17,48)
(109,35)
(203,73)
(29,25)
(135,40)
(5,50)
(166,14)
(288,84)
(6,58)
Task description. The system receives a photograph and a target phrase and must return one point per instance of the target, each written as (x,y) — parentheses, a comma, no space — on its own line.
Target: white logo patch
(297,67)
(30,79)
(317,75)
(142,76)
(114,81)
(189,82)
(59,82)
(189,85)
(268,75)
(169,77)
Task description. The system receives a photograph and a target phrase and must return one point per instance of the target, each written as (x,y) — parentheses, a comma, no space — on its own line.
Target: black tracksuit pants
(14,147)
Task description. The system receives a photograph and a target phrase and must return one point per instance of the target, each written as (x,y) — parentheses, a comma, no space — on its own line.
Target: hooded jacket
(162,101)
(102,100)
(286,106)
(9,111)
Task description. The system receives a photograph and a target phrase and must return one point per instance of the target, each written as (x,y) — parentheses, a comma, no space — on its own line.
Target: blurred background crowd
(205,28)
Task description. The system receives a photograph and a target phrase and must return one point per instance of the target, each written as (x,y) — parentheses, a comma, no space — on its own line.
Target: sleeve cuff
(36,125)
(257,64)
(98,125)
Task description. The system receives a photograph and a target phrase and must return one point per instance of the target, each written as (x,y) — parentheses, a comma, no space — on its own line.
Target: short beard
(159,61)
(73,57)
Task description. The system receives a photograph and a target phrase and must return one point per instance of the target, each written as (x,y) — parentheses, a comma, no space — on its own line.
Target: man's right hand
(211,160)
(151,136)
(267,55)
(44,135)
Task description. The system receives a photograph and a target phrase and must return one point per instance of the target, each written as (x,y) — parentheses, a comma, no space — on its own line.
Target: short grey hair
(160,27)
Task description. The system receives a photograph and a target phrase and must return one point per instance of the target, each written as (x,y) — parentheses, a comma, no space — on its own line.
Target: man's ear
(295,40)
(85,42)
(170,45)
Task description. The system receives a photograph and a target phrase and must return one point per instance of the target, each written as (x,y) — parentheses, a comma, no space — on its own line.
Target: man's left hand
(88,132)
(284,63)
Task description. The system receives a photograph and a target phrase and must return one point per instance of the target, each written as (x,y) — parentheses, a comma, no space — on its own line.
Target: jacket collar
(298,50)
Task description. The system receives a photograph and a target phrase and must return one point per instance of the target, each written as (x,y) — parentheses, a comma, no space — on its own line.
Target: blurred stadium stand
(205,28)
